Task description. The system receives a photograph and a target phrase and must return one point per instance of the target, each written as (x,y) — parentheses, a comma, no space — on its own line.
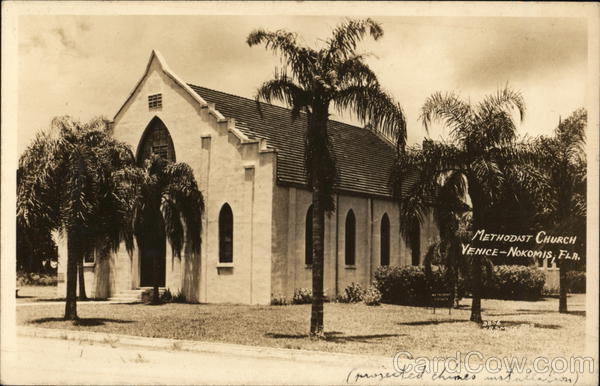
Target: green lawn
(532,328)
(36,293)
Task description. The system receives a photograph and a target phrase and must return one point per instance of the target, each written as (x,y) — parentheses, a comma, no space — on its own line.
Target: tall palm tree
(562,159)
(482,151)
(74,179)
(312,81)
(170,206)
(451,214)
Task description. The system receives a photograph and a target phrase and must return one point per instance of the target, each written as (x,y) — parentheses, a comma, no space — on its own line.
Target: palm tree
(74,179)
(169,205)
(451,214)
(562,159)
(312,81)
(482,151)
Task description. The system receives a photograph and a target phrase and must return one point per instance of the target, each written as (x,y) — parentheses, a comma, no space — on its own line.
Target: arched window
(350,256)
(308,237)
(156,140)
(226,234)
(385,240)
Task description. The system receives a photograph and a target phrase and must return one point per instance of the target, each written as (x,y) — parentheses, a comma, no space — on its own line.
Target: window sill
(350,267)
(224,265)
(89,265)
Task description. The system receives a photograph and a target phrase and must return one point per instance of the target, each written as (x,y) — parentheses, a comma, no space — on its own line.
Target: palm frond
(301,60)
(353,71)
(283,89)
(448,108)
(506,100)
(374,106)
(348,34)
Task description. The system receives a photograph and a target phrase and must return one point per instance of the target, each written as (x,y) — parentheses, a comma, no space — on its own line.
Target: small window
(90,258)
(226,235)
(350,256)
(308,237)
(154,101)
(385,240)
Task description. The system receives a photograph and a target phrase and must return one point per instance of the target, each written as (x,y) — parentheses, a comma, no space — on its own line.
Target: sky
(85,66)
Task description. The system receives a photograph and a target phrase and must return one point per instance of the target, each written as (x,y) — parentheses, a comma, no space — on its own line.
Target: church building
(256,234)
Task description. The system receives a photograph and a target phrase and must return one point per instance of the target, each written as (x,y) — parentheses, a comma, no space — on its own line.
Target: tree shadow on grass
(533,312)
(50,299)
(338,337)
(428,322)
(85,322)
(519,313)
(517,323)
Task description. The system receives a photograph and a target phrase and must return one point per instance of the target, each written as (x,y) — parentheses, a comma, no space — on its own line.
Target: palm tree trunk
(562,302)
(73,253)
(456,296)
(476,194)
(476,290)
(316,317)
(155,268)
(453,290)
(82,294)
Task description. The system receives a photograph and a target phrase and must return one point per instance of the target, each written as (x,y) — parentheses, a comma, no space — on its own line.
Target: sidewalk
(164,344)
(37,360)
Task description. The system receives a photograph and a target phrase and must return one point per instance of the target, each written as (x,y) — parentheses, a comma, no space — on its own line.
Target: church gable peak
(158,62)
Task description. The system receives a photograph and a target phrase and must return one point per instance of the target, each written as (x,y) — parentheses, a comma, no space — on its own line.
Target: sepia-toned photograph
(299,193)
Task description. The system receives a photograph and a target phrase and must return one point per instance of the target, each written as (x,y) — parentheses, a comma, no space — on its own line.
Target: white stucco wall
(228,170)
(289,220)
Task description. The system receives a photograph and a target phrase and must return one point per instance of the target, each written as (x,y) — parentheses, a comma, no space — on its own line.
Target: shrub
(353,293)
(409,284)
(179,298)
(514,282)
(302,296)
(166,297)
(401,285)
(372,296)
(279,300)
(576,282)
(32,278)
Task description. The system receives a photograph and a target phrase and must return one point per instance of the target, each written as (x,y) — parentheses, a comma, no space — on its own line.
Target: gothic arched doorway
(152,243)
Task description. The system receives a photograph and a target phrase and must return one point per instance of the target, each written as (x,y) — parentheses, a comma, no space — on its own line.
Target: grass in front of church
(36,293)
(530,328)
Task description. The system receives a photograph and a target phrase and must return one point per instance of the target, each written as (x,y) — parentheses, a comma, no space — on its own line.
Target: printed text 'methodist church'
(256,226)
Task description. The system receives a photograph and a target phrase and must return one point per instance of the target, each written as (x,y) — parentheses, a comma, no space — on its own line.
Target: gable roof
(364,160)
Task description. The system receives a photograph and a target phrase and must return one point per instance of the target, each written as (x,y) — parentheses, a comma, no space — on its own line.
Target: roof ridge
(365,157)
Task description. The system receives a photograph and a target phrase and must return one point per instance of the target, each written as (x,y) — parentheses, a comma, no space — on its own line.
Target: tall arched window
(156,140)
(385,240)
(308,239)
(226,234)
(350,256)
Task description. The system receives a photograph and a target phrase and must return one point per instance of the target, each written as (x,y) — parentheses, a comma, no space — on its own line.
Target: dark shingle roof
(364,160)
